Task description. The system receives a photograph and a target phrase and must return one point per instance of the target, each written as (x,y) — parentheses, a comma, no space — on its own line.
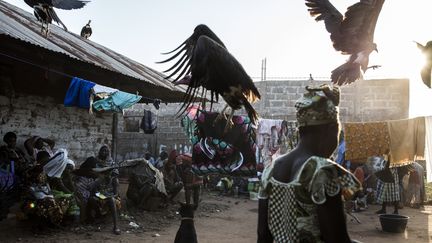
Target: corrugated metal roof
(19,24)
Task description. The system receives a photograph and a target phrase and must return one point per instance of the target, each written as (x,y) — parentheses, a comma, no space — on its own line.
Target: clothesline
(146,100)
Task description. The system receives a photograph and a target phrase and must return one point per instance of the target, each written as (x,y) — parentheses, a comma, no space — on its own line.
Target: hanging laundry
(268,138)
(265,125)
(149,122)
(407,140)
(363,140)
(156,103)
(214,151)
(116,102)
(103,89)
(78,93)
(428,150)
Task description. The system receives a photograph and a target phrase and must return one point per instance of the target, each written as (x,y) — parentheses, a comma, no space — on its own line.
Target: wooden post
(114,136)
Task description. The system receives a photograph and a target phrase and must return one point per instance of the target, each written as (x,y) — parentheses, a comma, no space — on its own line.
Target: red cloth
(359,174)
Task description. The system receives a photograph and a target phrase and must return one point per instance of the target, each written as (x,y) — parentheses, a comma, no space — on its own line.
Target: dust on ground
(218,219)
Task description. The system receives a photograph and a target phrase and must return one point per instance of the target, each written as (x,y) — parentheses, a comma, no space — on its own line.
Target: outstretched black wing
(61,4)
(207,64)
(67,4)
(324,10)
(352,33)
(185,51)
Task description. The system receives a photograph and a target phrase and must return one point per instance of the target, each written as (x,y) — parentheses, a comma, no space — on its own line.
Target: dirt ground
(218,219)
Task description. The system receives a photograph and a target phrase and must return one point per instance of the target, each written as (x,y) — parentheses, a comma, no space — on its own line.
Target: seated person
(143,191)
(95,192)
(36,144)
(39,200)
(58,170)
(163,156)
(14,153)
(150,158)
(104,159)
(173,183)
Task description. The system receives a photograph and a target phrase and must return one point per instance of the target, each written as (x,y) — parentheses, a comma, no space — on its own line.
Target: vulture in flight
(426,70)
(44,10)
(207,64)
(351,34)
(86,31)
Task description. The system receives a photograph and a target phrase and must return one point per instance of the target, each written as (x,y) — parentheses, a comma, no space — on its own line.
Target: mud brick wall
(71,128)
(367,100)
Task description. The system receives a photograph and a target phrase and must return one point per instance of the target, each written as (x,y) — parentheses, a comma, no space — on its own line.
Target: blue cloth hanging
(117,102)
(78,93)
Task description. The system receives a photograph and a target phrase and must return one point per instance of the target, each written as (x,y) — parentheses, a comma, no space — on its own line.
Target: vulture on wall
(86,31)
(426,70)
(206,63)
(44,10)
(351,34)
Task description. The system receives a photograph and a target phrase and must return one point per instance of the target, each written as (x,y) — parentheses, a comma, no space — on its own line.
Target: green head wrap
(318,106)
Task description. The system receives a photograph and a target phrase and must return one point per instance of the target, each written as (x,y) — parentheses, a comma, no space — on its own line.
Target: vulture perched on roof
(426,70)
(351,34)
(86,31)
(206,63)
(44,10)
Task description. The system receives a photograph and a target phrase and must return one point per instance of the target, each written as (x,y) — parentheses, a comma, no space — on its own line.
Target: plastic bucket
(393,223)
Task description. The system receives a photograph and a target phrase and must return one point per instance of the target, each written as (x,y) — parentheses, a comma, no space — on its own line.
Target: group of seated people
(52,191)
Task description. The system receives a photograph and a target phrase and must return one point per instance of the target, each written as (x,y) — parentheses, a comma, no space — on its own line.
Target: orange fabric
(364,140)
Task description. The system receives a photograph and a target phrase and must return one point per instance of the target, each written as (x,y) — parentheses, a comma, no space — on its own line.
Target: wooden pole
(114,136)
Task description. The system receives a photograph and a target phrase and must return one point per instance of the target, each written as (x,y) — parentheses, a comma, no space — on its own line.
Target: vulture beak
(184,81)
(376,49)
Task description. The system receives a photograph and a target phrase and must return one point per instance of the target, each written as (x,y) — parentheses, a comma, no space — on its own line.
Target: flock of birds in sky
(204,64)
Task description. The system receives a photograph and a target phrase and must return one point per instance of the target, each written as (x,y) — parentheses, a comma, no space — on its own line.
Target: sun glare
(420,94)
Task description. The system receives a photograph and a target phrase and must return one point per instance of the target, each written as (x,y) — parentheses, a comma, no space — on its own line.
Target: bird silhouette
(351,34)
(86,31)
(44,10)
(427,68)
(207,64)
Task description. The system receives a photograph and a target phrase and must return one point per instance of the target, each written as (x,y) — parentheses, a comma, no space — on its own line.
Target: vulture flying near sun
(206,63)
(426,70)
(351,34)
(44,10)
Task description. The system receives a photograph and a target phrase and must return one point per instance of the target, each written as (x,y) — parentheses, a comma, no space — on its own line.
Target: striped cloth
(388,192)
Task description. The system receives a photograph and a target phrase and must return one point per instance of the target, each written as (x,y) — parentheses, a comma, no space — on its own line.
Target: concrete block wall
(169,133)
(71,128)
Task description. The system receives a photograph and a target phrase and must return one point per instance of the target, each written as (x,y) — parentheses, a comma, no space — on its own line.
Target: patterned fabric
(215,152)
(293,206)
(318,106)
(364,140)
(51,209)
(83,186)
(388,192)
(283,213)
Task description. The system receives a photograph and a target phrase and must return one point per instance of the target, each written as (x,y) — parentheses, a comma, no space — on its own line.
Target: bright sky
(280,30)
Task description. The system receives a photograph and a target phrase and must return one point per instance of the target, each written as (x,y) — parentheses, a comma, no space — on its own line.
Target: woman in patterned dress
(387,192)
(302,191)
